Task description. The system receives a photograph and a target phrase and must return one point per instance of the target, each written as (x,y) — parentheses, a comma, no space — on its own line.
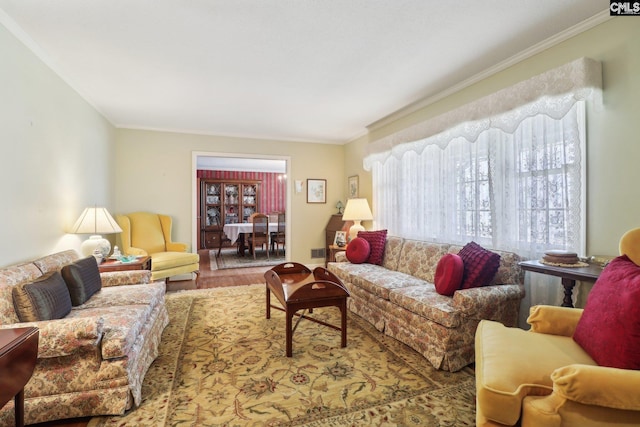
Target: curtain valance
(552,93)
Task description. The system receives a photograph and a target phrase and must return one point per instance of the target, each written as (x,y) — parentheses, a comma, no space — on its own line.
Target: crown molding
(583,26)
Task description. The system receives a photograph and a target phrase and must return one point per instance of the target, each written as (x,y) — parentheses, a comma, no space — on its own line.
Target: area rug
(222,363)
(230,259)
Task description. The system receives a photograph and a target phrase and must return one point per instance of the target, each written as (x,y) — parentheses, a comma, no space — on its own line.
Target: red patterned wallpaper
(273,190)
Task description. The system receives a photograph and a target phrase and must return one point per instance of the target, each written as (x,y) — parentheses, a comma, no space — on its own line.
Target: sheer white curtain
(521,191)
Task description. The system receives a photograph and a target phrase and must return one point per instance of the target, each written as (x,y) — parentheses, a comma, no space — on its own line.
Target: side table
(333,250)
(569,276)
(18,355)
(141,263)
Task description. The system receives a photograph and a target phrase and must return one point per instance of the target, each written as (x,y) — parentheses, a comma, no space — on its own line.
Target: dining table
(236,233)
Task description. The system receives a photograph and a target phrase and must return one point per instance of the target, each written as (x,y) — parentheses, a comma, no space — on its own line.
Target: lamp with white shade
(96,221)
(356,210)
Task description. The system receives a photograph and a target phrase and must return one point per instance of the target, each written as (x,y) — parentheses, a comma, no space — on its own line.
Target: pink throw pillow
(609,328)
(358,251)
(377,240)
(449,274)
(480,265)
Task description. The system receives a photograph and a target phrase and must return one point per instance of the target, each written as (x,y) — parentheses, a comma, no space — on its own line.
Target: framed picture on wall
(353,186)
(316,191)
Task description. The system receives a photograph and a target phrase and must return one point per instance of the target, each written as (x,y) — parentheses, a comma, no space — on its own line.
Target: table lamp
(96,221)
(356,210)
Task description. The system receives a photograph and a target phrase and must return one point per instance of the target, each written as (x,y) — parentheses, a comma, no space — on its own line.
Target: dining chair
(222,238)
(278,237)
(260,235)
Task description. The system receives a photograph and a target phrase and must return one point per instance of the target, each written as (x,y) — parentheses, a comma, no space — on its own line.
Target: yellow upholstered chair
(543,377)
(145,233)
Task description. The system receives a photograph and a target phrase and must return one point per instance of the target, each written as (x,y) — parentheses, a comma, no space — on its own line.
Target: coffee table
(298,288)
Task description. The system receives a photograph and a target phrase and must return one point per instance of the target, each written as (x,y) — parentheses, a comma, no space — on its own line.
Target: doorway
(210,164)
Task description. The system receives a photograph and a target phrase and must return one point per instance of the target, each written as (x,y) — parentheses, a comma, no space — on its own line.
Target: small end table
(569,276)
(141,263)
(333,250)
(18,355)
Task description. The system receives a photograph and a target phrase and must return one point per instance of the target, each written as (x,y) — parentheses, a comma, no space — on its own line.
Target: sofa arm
(485,302)
(598,385)
(63,337)
(176,247)
(548,319)
(121,278)
(341,256)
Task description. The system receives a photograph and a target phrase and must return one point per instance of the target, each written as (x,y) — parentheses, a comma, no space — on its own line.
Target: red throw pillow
(609,329)
(358,251)
(449,274)
(480,265)
(377,240)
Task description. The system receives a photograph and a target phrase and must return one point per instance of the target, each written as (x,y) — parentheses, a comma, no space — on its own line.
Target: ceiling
(302,70)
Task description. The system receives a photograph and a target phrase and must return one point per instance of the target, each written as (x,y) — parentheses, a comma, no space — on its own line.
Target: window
(519,191)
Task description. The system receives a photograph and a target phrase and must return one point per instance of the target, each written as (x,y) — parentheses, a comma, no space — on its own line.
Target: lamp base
(355,228)
(96,242)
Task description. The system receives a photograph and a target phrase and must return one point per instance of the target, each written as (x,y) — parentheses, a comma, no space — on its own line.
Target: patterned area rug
(223,364)
(230,259)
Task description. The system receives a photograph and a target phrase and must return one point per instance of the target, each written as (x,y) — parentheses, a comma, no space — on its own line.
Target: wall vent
(318,253)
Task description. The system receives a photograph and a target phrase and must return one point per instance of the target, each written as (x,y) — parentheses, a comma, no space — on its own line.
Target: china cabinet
(225,202)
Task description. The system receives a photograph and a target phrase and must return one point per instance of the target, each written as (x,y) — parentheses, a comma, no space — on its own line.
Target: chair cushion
(609,329)
(166,260)
(358,250)
(449,273)
(82,278)
(377,240)
(512,363)
(480,265)
(45,298)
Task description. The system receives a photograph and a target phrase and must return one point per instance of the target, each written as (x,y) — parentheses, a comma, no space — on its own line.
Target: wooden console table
(569,276)
(298,288)
(18,355)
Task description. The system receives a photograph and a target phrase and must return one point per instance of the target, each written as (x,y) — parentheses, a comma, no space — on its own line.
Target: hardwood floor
(208,279)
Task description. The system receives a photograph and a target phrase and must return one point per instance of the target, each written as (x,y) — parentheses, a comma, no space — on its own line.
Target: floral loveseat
(399,298)
(93,360)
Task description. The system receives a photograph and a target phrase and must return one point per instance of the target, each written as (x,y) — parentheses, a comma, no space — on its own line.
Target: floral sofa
(93,360)
(399,298)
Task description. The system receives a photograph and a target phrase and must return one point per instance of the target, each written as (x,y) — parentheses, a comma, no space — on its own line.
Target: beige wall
(613,131)
(60,157)
(57,156)
(154,172)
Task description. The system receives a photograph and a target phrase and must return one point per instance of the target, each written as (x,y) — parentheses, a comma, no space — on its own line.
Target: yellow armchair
(145,233)
(542,377)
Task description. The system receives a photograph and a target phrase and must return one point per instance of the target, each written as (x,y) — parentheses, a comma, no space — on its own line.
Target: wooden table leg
(268,302)
(568,285)
(343,321)
(19,408)
(289,332)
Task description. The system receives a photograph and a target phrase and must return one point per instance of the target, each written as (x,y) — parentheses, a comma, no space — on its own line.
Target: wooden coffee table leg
(289,333)
(343,321)
(268,303)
